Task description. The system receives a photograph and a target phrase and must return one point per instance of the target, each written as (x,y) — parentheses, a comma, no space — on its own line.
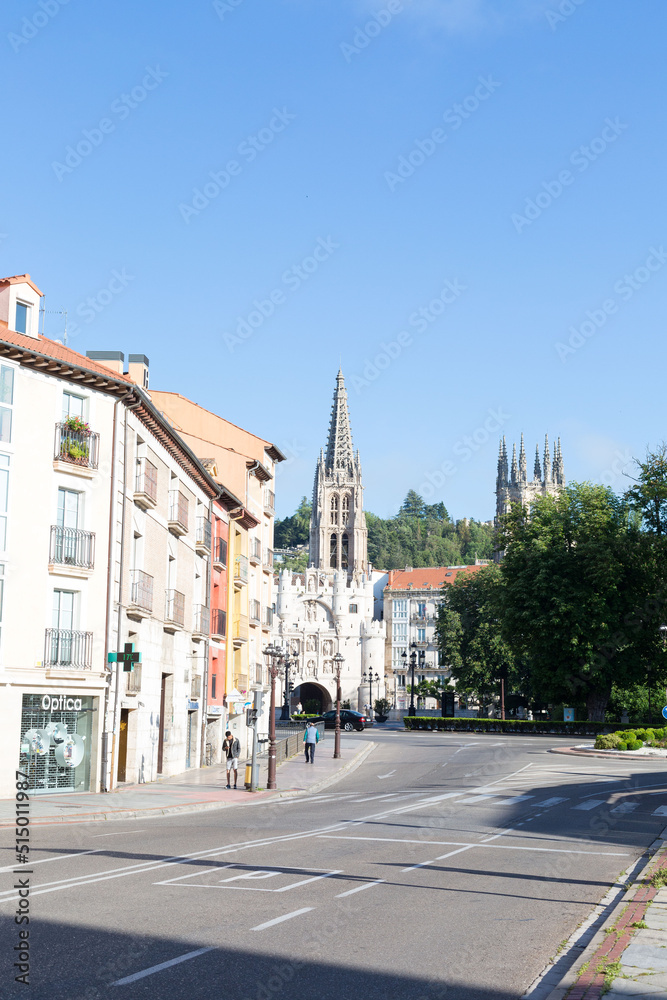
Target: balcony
(255,612)
(145,484)
(267,560)
(240,629)
(141,595)
(419,620)
(202,621)
(203,536)
(68,650)
(268,617)
(220,554)
(241,683)
(255,551)
(269,502)
(174,612)
(178,512)
(240,569)
(71,552)
(76,448)
(218,625)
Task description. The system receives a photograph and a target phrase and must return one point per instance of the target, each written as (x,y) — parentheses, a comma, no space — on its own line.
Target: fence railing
(175,607)
(77,446)
(203,533)
(146,479)
(72,547)
(218,623)
(67,648)
(141,591)
(202,619)
(178,509)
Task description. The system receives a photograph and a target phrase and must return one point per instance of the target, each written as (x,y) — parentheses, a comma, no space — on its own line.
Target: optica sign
(60,703)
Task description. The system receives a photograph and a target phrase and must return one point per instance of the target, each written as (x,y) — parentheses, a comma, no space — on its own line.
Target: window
(400,610)
(72,405)
(6,401)
(346,507)
(4,499)
(401,680)
(2,590)
(334,509)
(397,661)
(63,610)
(344,552)
(421,635)
(22,313)
(333,552)
(353,609)
(400,632)
(421,609)
(214,680)
(68,508)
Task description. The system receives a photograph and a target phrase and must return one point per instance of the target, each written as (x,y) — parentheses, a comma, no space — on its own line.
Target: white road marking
(660,811)
(359,888)
(387,775)
(280,920)
(57,857)
(623,808)
(459,850)
(370,798)
(514,800)
(482,843)
(160,967)
(590,804)
(474,799)
(124,833)
(548,803)
(306,881)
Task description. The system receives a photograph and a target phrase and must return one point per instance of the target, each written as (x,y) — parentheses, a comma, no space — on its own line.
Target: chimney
(115,360)
(138,369)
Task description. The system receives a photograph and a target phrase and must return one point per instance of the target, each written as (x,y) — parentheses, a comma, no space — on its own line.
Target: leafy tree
(469,632)
(294,530)
(412,506)
(574,600)
(649,496)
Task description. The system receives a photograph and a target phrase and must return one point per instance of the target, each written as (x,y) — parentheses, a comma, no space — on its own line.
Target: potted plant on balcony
(74,444)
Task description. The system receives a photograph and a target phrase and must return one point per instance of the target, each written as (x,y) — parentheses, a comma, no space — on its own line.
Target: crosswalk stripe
(474,799)
(589,804)
(548,803)
(623,808)
(660,811)
(514,800)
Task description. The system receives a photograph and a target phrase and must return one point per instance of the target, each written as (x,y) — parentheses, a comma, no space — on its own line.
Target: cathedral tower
(338,535)
(512,483)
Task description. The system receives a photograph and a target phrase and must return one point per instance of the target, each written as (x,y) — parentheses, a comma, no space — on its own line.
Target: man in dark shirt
(232,750)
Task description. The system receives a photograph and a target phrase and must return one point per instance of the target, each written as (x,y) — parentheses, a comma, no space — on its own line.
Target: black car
(349,720)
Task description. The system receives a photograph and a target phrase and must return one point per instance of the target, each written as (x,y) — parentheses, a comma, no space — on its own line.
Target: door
(122,744)
(160,743)
(63,623)
(68,522)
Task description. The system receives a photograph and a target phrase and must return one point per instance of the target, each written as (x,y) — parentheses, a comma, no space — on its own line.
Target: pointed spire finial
(339,450)
(537,471)
(547,460)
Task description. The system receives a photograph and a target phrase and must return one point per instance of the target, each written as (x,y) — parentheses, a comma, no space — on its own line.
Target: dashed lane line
(158,968)
(359,888)
(280,920)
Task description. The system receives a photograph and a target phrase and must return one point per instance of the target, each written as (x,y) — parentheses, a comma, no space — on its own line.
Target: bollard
(248,775)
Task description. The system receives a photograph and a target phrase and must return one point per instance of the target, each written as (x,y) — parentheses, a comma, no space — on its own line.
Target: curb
(605,754)
(559,977)
(152,812)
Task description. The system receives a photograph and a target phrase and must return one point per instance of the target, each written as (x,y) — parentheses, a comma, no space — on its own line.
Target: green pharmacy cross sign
(127,656)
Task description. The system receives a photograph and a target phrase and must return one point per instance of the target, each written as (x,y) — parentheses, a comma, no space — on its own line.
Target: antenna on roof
(53,312)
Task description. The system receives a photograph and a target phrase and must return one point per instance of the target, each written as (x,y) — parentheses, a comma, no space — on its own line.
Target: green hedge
(507,726)
(631,739)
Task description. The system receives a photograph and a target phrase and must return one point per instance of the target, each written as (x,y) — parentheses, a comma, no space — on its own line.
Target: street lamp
(338,663)
(275,654)
(368,678)
(413,664)
(290,658)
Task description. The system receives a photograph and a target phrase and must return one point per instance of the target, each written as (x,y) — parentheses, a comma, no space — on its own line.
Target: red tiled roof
(434,577)
(16,279)
(59,352)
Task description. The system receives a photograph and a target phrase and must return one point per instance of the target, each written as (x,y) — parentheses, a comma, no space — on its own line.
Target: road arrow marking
(388,775)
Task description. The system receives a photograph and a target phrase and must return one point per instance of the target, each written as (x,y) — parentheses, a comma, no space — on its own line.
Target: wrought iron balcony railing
(268,559)
(240,569)
(255,550)
(240,628)
(218,623)
(220,553)
(269,501)
(178,512)
(255,611)
(141,590)
(268,617)
(72,547)
(175,607)
(203,534)
(145,483)
(69,649)
(76,445)
(202,619)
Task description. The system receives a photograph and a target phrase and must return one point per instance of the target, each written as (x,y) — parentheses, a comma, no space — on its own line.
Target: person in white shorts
(232,749)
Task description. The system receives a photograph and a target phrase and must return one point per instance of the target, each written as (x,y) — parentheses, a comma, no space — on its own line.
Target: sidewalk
(193,791)
(627,957)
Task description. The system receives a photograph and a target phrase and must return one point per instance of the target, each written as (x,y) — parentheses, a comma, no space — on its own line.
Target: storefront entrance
(57,742)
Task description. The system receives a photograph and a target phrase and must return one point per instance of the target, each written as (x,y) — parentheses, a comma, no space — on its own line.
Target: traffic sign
(664,712)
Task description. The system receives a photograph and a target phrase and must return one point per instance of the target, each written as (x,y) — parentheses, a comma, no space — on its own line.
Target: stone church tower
(338,534)
(512,483)
(329,608)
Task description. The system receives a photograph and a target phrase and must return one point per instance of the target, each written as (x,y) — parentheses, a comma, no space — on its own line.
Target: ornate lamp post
(368,678)
(289,658)
(338,661)
(413,664)
(275,655)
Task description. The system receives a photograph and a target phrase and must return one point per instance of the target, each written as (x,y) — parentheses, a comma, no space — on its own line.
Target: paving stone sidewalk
(196,790)
(628,958)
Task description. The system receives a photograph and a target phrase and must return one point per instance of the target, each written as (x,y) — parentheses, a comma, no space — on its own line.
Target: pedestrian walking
(232,749)
(311,738)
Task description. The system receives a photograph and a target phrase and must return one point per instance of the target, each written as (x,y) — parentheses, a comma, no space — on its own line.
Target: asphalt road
(446,866)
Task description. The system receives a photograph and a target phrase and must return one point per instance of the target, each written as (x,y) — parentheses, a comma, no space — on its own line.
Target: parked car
(349,720)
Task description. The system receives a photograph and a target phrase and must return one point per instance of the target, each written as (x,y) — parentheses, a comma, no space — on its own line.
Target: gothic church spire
(340,453)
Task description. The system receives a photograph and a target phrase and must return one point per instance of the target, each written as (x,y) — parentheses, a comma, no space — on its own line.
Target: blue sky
(283,185)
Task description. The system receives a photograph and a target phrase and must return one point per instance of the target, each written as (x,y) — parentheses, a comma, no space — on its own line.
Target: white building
(329,608)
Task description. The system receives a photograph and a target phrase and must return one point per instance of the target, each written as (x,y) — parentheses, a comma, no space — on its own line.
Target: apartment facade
(411,600)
